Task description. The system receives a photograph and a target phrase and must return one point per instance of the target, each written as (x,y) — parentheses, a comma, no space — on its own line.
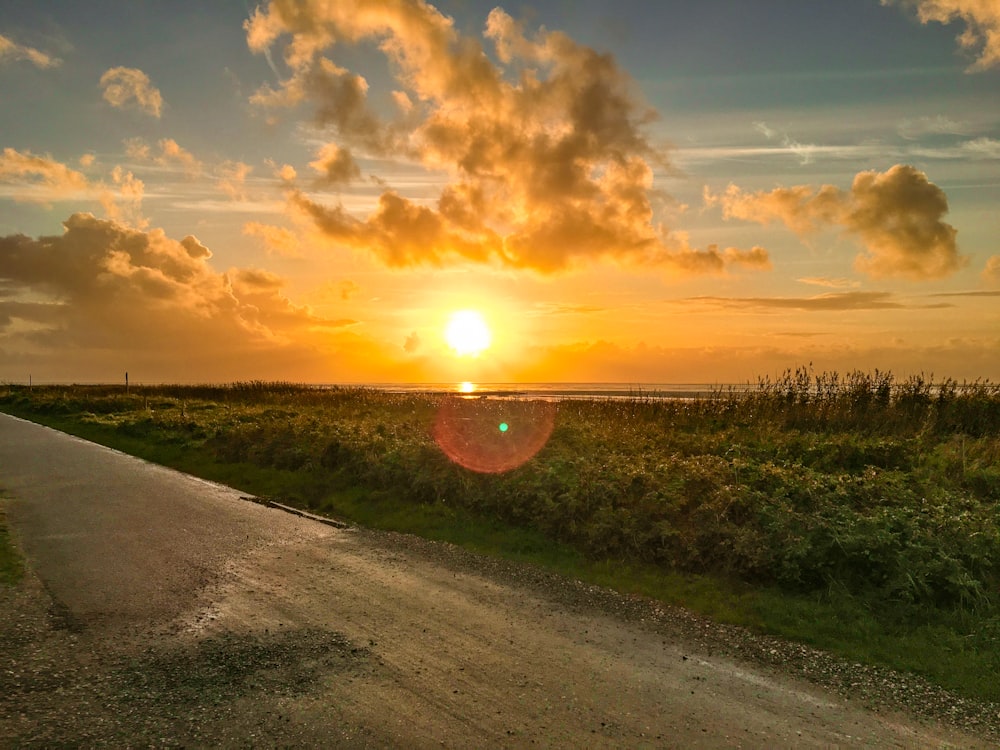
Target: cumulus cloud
(546,153)
(896,215)
(991,272)
(126,87)
(108,288)
(12,51)
(38,178)
(981,36)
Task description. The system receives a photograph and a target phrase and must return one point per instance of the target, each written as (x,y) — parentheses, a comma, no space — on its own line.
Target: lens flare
(492,436)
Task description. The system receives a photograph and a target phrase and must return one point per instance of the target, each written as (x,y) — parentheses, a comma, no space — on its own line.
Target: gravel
(61,685)
(877,688)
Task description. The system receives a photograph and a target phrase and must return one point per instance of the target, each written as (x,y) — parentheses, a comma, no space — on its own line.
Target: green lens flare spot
(504,427)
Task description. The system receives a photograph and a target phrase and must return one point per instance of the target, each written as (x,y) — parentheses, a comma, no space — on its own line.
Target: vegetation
(11,564)
(855,513)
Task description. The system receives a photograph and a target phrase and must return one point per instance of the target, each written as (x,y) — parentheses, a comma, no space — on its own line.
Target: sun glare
(467,333)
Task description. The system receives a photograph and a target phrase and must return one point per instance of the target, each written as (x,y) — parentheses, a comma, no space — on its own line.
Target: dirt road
(163,610)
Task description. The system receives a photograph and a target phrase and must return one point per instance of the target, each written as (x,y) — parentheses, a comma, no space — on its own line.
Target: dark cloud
(111,288)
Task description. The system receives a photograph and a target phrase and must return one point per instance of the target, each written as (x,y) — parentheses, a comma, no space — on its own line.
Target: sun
(467,333)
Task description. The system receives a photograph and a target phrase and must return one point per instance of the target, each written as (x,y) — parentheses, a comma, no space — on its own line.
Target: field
(856,513)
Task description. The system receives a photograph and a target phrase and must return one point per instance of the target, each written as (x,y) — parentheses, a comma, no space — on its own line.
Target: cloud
(805,152)
(232,178)
(976,293)
(348,289)
(137,148)
(41,179)
(984,148)
(545,151)
(172,153)
(981,36)
(111,290)
(125,87)
(126,206)
(896,215)
(335,165)
(412,343)
(38,178)
(12,51)
(834,301)
(912,128)
(828,282)
(991,272)
(277,240)
(711,260)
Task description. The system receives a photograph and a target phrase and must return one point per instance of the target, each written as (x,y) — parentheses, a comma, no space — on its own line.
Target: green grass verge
(955,648)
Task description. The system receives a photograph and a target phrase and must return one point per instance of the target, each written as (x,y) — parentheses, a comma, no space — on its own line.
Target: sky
(627,191)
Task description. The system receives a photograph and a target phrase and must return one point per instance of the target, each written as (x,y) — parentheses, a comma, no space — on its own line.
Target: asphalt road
(164,610)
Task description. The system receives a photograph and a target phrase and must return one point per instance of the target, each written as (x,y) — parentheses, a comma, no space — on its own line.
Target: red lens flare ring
(492,436)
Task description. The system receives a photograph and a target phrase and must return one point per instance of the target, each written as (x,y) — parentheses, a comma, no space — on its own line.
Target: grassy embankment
(856,514)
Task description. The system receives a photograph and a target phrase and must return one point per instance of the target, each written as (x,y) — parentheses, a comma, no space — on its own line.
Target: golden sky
(621,192)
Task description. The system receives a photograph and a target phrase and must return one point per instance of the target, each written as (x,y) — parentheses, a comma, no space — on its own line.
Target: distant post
(126,382)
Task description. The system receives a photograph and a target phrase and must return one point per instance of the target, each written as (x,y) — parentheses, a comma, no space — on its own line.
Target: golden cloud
(335,165)
(172,152)
(38,178)
(982,25)
(125,206)
(124,87)
(896,214)
(232,178)
(11,50)
(548,162)
(277,240)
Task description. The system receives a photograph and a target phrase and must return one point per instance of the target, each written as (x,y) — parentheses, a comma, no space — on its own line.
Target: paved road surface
(164,610)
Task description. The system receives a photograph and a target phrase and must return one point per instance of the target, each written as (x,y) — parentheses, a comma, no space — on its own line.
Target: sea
(567,391)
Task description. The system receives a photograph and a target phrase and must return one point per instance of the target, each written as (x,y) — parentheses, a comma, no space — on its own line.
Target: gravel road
(161,610)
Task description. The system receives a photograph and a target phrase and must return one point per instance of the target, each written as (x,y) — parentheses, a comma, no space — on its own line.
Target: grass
(11,562)
(855,513)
